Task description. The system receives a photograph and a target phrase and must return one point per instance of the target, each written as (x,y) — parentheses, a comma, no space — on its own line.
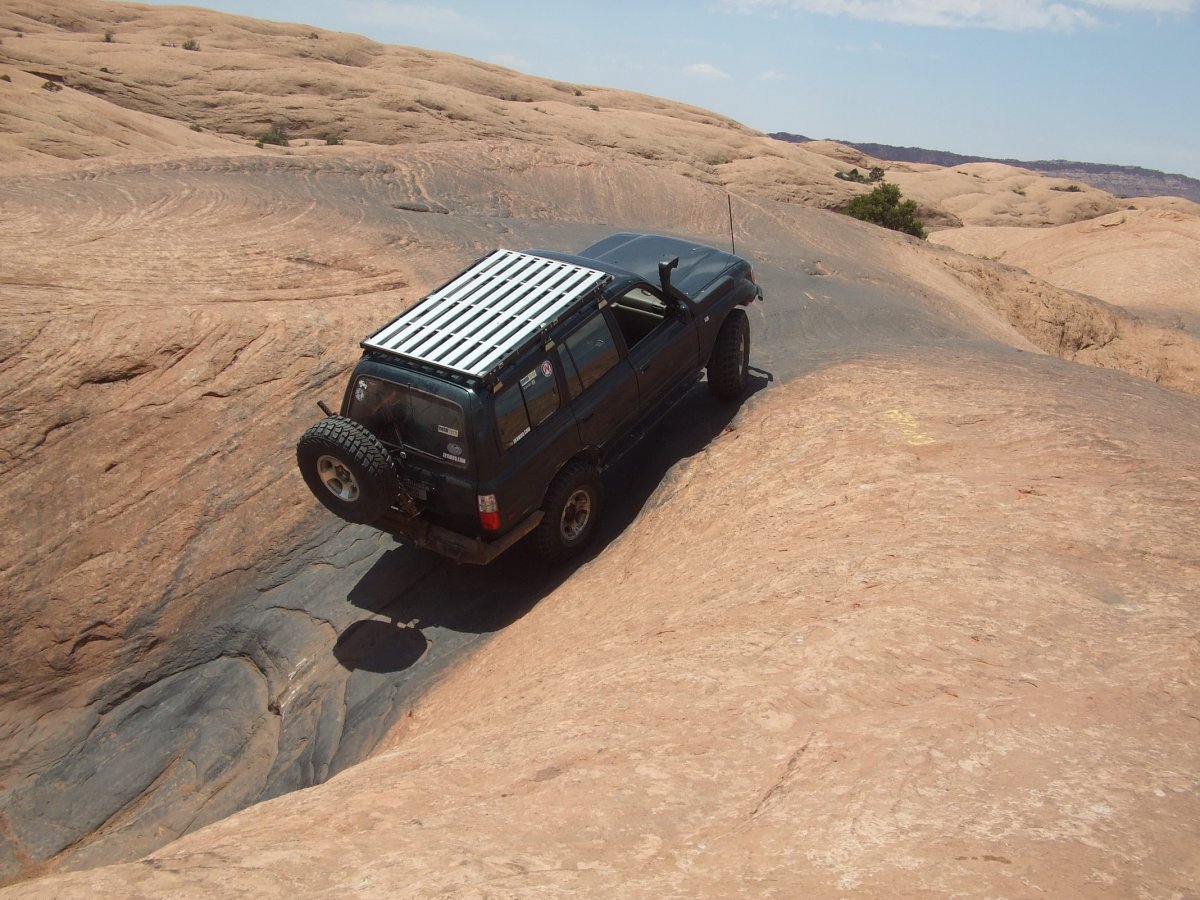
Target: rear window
(401,415)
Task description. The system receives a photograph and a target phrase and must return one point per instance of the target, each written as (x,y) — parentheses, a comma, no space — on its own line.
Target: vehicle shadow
(685,430)
(421,594)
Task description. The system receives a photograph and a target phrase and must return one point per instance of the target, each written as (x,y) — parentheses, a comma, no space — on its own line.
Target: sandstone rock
(916,621)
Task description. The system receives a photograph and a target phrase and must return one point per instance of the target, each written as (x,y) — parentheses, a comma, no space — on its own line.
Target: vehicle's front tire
(729,364)
(348,469)
(571,510)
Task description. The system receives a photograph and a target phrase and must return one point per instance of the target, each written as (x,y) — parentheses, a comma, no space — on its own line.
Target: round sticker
(360,389)
(547,369)
(454,448)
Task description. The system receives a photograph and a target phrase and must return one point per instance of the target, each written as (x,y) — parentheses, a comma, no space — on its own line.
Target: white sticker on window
(519,436)
(446,429)
(529,379)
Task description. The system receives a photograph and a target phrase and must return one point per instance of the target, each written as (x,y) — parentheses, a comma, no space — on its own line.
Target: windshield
(400,415)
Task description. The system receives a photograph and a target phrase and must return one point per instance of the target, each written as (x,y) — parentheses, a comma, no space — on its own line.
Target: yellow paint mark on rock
(909,427)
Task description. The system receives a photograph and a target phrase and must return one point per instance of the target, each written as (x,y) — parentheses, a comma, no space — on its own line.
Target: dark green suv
(485,412)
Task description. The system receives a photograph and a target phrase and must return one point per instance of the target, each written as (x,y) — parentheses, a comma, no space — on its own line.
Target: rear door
(535,433)
(427,419)
(600,382)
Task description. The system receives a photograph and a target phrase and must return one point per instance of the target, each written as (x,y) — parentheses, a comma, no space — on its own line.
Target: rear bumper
(451,544)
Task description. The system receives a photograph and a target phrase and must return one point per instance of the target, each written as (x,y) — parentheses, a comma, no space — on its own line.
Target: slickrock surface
(1142,258)
(919,615)
(912,626)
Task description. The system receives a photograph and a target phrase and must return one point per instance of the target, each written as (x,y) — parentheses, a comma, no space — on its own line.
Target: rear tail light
(489,512)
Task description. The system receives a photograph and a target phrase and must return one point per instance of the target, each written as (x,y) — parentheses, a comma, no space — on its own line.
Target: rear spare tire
(348,469)
(730,359)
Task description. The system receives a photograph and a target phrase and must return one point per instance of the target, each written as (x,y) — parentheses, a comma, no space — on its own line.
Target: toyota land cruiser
(486,412)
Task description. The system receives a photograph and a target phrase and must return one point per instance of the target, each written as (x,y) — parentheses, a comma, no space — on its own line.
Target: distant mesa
(1120,181)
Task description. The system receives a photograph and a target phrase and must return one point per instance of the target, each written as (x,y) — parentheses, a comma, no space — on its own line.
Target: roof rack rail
(488,314)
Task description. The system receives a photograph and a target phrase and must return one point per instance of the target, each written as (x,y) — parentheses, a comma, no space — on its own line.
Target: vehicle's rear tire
(348,469)
(571,510)
(729,364)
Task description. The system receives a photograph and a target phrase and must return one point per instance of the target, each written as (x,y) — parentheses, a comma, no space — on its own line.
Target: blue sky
(1113,81)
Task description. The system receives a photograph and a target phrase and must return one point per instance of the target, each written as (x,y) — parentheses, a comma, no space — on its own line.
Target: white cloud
(703,70)
(1156,6)
(772,75)
(1010,15)
(425,20)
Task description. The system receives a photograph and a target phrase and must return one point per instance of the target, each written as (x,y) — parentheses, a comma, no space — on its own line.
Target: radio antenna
(729,203)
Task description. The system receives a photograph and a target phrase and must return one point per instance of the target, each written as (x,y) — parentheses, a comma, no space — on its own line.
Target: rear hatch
(423,421)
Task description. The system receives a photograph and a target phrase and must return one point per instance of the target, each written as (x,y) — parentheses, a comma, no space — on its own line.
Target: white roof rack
(492,309)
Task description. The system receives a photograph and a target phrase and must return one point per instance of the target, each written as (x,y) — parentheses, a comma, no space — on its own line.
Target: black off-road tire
(571,508)
(729,364)
(348,469)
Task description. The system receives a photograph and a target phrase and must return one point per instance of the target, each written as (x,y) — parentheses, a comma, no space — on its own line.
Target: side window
(638,312)
(511,418)
(592,350)
(541,393)
(526,404)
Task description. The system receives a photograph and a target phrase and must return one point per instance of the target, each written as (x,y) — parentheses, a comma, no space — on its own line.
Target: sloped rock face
(187,633)
(163,353)
(250,76)
(173,593)
(1145,259)
(186,628)
(917,624)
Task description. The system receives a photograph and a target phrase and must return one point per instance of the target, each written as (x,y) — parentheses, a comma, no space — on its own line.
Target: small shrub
(275,135)
(196,127)
(859,178)
(190,44)
(109,37)
(593,107)
(1069,189)
(104,69)
(5,77)
(883,206)
(333,139)
(51,86)
(313,36)
(578,92)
